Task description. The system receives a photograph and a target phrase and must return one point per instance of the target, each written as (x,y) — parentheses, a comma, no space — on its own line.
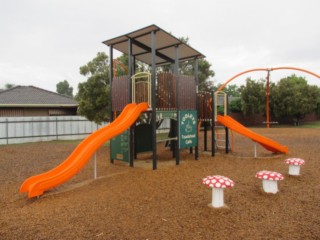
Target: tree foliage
(290,97)
(235,105)
(8,85)
(139,66)
(94,94)
(293,97)
(204,70)
(64,88)
(232,90)
(187,68)
(253,96)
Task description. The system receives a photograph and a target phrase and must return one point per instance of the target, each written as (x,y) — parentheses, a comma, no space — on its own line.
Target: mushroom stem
(270,186)
(217,197)
(294,170)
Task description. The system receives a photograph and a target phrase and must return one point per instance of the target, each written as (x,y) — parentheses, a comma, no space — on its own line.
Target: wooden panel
(187,92)
(205,105)
(166,91)
(120,93)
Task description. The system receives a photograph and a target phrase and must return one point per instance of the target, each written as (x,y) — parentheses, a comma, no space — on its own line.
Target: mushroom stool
(294,165)
(217,183)
(269,180)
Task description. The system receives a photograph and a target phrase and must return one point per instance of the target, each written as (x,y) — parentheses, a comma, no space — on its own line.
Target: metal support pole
(131,70)
(267,100)
(205,135)
(7,130)
(205,125)
(196,69)
(176,71)
(57,129)
(227,129)
(213,133)
(111,80)
(255,149)
(227,139)
(133,65)
(95,166)
(153,90)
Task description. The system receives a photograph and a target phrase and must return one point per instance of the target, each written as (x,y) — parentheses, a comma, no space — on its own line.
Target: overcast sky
(44,42)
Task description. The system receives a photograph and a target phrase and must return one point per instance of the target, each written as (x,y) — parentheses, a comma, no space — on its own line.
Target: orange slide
(265,142)
(36,185)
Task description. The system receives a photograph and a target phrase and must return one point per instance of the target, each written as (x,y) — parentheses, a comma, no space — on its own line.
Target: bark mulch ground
(168,203)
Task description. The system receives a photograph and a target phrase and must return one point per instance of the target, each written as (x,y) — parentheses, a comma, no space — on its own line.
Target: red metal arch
(268,70)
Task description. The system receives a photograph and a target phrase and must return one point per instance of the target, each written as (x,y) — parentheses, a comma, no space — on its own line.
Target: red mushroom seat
(294,165)
(269,180)
(269,175)
(217,183)
(295,161)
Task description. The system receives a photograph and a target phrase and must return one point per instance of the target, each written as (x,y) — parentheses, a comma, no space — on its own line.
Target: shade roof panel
(142,43)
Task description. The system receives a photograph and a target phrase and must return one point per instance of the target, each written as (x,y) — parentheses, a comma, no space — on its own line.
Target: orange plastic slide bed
(36,185)
(267,143)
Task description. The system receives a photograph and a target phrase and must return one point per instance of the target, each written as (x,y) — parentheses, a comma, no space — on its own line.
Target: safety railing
(141,88)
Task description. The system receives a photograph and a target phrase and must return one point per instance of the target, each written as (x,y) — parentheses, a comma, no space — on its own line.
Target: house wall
(24,112)
(11,112)
(35,112)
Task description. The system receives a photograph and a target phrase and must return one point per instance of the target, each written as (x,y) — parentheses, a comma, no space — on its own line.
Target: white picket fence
(37,129)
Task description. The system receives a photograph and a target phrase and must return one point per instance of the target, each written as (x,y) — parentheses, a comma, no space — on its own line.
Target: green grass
(310,125)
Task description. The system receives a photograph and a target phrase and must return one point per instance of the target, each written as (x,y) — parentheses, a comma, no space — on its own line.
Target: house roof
(165,46)
(30,96)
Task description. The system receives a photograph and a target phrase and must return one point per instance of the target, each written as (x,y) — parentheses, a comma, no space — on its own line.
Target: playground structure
(151,97)
(169,95)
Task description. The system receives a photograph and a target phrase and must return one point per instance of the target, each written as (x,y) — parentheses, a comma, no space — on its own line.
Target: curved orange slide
(36,185)
(267,143)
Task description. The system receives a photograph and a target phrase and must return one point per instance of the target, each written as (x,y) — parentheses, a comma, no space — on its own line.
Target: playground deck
(168,203)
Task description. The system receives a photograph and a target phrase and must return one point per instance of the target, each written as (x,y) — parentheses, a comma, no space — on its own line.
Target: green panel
(143,138)
(166,114)
(188,133)
(120,147)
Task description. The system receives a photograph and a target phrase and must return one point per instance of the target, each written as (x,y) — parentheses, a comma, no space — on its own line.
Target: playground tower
(168,94)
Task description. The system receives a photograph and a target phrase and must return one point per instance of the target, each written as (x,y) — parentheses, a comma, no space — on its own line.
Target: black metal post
(176,72)
(130,67)
(153,90)
(131,134)
(111,80)
(205,135)
(227,139)
(134,65)
(133,128)
(196,69)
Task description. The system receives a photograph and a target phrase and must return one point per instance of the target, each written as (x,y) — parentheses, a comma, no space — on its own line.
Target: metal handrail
(135,78)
